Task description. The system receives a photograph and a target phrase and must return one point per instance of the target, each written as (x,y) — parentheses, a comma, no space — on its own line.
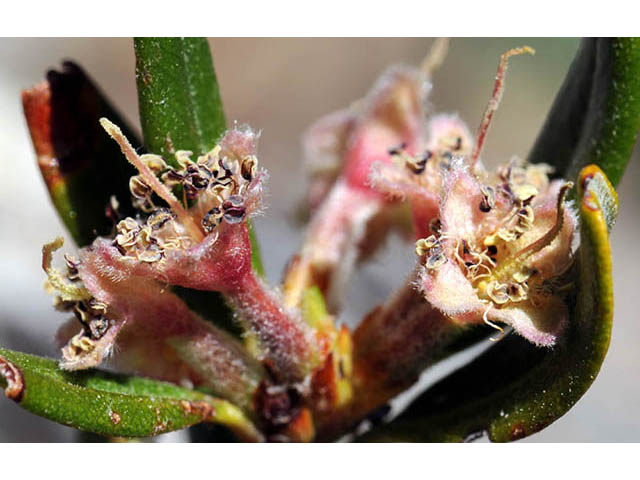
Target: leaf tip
(598,194)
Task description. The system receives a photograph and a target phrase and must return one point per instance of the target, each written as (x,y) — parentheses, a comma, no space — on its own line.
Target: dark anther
(248,168)
(227,171)
(488,199)
(277,406)
(211,219)
(458,144)
(98,327)
(418,165)
(435,226)
(493,250)
(81,312)
(139,187)
(172,177)
(234,209)
(159,218)
(119,247)
(199,181)
(484,206)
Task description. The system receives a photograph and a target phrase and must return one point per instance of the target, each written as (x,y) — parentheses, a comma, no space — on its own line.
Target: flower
(341,148)
(202,243)
(492,247)
(418,178)
(502,250)
(147,329)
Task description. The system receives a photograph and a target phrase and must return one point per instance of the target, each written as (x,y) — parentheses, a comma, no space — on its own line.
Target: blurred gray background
(281,86)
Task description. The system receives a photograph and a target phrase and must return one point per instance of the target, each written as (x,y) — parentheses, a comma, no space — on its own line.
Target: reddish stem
(286,340)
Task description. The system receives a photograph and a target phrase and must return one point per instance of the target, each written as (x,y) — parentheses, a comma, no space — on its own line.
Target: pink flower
(501,251)
(203,245)
(418,178)
(341,149)
(492,247)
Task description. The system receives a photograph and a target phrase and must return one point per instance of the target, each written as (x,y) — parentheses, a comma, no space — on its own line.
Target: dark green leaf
(108,404)
(596,114)
(516,389)
(81,166)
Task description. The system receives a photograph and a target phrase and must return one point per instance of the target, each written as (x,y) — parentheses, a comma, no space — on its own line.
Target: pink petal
(450,291)
(460,215)
(158,336)
(541,325)
(447,125)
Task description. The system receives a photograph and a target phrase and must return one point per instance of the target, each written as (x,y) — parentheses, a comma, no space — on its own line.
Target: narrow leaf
(179,100)
(109,404)
(596,114)
(515,389)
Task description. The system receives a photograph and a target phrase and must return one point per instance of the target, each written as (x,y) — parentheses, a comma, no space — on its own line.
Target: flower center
(496,264)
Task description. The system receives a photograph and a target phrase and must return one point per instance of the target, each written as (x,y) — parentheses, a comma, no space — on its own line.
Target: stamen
(67,292)
(488,199)
(555,230)
(163,192)
(498,90)
(436,261)
(545,240)
(491,324)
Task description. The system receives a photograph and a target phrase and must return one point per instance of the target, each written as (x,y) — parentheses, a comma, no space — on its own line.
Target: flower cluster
(118,288)
(492,247)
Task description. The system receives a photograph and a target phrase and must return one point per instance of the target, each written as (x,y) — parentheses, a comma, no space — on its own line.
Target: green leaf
(179,100)
(596,114)
(81,166)
(109,404)
(516,389)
